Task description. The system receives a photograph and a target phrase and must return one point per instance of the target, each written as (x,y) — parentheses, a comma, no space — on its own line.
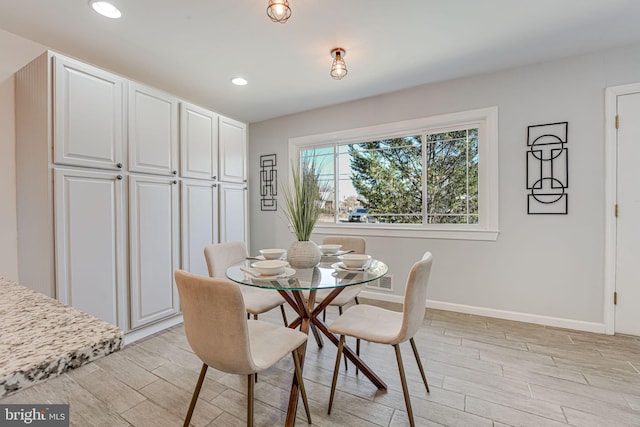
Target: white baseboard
(138,334)
(557,322)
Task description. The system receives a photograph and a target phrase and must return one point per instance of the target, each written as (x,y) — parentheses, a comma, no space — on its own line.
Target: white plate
(288,272)
(341,266)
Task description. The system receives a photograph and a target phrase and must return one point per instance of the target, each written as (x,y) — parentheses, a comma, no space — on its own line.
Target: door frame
(610,181)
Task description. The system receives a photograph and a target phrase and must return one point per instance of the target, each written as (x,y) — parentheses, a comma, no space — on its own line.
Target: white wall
(16,52)
(546,269)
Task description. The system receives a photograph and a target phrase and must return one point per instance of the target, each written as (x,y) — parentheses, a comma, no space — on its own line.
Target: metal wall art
(268,183)
(547,169)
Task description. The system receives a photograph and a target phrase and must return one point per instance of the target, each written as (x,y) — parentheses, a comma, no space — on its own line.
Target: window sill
(416,232)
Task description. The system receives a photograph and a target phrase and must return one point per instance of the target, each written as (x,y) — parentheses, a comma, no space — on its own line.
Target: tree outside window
(427,178)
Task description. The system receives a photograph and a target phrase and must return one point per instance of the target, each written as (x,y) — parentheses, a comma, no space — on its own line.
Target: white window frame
(486,119)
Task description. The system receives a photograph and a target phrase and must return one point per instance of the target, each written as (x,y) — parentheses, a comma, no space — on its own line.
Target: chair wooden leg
(196,392)
(250,400)
(255,317)
(346,363)
(415,353)
(405,389)
(335,373)
(296,363)
(357,352)
(356,299)
(284,315)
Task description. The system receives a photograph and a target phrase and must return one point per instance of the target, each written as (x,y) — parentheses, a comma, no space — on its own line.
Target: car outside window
(358,215)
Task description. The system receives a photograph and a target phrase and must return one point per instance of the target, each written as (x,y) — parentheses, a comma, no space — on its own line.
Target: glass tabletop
(328,274)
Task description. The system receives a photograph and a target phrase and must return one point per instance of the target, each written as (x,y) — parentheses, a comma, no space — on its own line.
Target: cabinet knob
(175,181)
(245,188)
(244,180)
(215,185)
(214,177)
(175,172)
(119,177)
(119,165)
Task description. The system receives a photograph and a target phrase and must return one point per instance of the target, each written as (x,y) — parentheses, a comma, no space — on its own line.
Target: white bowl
(270,267)
(354,260)
(272,253)
(329,249)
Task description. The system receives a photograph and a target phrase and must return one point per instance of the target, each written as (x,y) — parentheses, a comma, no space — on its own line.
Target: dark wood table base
(308,317)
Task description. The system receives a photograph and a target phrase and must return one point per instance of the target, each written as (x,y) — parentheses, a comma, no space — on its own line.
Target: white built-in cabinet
(118,187)
(90,237)
(152,131)
(233,135)
(232,169)
(213,149)
(154,247)
(233,212)
(87,115)
(198,142)
(199,222)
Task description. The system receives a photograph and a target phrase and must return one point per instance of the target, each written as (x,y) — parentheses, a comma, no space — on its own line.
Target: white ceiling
(192,48)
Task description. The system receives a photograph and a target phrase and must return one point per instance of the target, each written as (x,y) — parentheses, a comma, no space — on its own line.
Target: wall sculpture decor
(547,169)
(268,183)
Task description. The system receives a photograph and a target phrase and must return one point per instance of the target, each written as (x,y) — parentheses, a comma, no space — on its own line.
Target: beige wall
(16,52)
(8,227)
(543,268)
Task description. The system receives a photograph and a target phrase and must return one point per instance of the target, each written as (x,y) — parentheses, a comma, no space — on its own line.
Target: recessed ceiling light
(239,81)
(105,8)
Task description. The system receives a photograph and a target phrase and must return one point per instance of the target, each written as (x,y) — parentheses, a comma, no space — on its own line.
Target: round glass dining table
(298,287)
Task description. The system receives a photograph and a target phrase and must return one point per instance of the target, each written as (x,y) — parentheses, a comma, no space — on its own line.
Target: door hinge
(617,121)
(615,298)
(616,210)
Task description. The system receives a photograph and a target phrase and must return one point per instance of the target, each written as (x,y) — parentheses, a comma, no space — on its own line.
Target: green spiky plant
(303,199)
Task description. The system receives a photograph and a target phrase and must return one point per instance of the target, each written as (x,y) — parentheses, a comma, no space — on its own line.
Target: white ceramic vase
(303,254)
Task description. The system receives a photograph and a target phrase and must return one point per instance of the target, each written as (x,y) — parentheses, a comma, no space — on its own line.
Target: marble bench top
(41,337)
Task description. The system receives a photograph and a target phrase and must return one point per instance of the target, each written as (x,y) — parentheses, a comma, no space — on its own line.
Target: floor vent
(385,283)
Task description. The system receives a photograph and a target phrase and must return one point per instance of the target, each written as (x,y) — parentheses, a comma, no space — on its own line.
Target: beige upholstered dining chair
(221,256)
(359,246)
(223,338)
(383,326)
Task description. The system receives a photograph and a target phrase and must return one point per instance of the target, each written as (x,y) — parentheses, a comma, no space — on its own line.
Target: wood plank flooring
(482,372)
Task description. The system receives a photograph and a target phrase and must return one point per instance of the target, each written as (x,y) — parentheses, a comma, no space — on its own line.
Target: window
(431,177)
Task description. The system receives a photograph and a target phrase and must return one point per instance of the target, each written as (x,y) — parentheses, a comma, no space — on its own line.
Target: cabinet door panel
(90,241)
(153,131)
(153,240)
(198,142)
(199,223)
(87,115)
(232,152)
(233,213)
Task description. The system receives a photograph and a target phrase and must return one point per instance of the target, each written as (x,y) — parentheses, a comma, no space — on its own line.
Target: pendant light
(338,67)
(279,10)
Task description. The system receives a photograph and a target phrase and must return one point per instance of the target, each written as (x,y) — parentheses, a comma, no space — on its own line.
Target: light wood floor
(482,372)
